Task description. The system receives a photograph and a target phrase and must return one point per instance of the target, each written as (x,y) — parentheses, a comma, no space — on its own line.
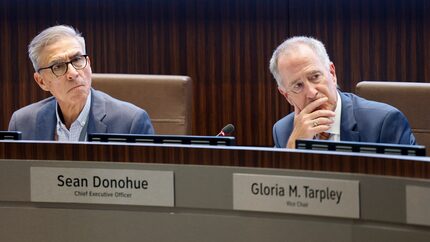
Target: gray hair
(293,43)
(49,36)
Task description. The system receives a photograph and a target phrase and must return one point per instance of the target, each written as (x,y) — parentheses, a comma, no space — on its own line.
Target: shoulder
(377,115)
(32,110)
(27,118)
(120,116)
(361,105)
(115,108)
(113,104)
(284,122)
(282,130)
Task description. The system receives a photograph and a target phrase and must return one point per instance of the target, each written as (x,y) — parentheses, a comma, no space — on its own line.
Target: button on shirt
(77,131)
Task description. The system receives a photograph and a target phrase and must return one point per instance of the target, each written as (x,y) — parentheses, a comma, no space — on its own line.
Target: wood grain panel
(217,156)
(223,45)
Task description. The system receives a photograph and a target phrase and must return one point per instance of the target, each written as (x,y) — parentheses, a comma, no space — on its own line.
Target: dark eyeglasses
(78,62)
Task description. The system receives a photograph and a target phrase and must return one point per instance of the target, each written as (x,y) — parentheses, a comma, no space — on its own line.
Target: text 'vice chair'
(166,98)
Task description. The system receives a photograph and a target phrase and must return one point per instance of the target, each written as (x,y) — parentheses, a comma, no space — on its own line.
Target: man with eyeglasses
(75,109)
(307,79)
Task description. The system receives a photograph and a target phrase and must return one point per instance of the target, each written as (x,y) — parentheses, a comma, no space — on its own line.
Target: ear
(41,81)
(285,94)
(332,71)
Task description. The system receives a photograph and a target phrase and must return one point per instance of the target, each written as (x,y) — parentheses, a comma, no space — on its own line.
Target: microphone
(227,130)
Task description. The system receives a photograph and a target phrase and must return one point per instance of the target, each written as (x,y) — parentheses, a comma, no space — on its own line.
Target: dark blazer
(362,120)
(37,121)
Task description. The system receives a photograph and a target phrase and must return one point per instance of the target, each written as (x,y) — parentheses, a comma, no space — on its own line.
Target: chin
(80,89)
(78,93)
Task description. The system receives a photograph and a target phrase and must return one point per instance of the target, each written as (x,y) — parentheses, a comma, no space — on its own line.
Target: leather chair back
(411,98)
(166,98)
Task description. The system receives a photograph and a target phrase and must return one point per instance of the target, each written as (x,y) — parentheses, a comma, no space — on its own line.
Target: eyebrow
(61,60)
(313,72)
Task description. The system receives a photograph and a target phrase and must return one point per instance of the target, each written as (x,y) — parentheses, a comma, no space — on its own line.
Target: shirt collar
(83,116)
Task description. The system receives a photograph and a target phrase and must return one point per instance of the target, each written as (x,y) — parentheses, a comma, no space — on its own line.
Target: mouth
(75,87)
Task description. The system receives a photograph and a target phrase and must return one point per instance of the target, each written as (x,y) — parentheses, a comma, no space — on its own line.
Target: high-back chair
(411,98)
(166,98)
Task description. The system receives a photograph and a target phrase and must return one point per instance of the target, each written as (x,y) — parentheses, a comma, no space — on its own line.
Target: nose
(71,73)
(311,90)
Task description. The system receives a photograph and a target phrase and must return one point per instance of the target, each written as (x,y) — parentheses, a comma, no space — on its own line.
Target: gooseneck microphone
(227,130)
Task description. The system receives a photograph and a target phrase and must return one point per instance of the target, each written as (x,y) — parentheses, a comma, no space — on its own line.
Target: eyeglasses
(78,62)
(299,86)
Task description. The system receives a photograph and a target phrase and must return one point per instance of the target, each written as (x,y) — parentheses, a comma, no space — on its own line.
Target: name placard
(298,195)
(418,205)
(102,186)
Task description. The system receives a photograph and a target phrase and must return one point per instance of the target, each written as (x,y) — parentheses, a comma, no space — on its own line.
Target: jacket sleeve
(141,124)
(396,129)
(12,123)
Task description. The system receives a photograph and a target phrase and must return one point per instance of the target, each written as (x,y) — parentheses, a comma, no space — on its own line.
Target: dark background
(224,45)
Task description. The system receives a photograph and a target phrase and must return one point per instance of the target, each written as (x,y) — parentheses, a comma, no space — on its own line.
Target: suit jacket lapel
(348,124)
(97,114)
(46,122)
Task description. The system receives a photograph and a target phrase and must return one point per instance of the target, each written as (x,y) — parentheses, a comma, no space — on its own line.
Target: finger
(322,113)
(314,105)
(321,128)
(323,121)
(315,123)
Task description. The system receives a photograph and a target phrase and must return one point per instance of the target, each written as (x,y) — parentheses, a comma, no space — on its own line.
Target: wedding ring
(315,123)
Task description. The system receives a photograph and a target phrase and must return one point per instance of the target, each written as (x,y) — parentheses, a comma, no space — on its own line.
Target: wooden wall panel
(223,45)
(406,166)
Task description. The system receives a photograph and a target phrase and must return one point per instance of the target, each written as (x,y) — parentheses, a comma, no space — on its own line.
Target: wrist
(291,144)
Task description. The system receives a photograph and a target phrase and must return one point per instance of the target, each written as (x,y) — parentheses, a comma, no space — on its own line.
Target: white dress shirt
(78,131)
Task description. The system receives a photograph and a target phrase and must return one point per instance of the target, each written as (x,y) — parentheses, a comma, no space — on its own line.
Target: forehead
(298,61)
(60,50)
(298,55)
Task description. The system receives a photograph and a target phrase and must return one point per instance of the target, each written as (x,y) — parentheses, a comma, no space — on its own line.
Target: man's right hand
(310,121)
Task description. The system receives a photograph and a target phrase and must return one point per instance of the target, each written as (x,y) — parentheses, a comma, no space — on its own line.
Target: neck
(69,113)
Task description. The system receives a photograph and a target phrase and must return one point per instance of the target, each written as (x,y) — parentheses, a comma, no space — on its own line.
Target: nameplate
(418,205)
(102,186)
(297,195)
